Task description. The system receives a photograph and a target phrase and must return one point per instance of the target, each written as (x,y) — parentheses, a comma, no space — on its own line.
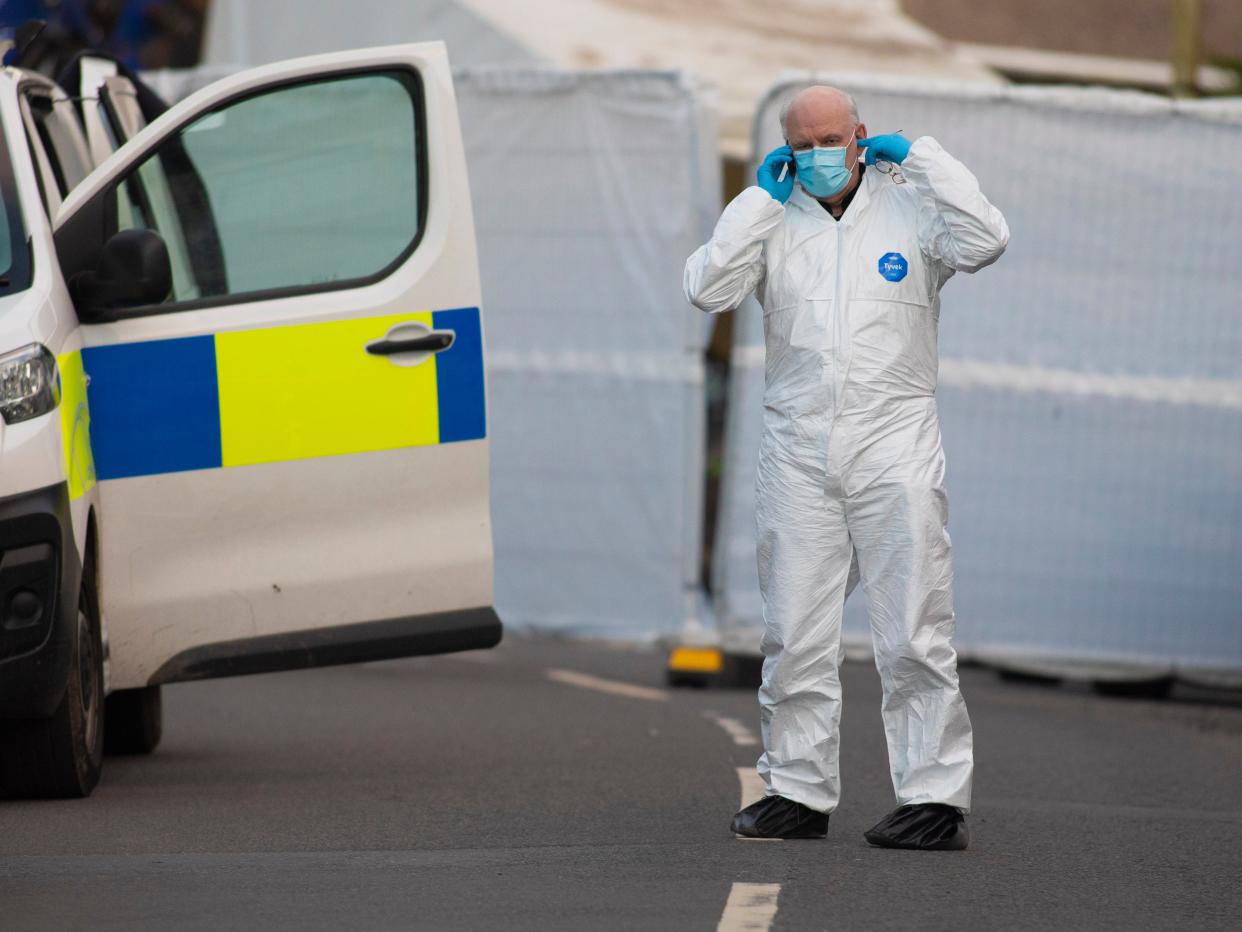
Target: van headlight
(29,383)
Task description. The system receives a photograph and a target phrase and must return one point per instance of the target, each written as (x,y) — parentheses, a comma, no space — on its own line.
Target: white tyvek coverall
(851,471)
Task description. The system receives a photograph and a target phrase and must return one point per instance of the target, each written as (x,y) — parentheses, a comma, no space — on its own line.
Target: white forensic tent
(589,190)
(1090,384)
(245,33)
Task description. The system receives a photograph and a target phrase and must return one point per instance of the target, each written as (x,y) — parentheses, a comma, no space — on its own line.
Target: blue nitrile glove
(891,147)
(770,170)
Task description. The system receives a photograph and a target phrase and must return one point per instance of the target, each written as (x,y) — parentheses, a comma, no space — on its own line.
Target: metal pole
(1187,19)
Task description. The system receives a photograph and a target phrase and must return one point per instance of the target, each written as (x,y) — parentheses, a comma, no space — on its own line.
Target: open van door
(279,294)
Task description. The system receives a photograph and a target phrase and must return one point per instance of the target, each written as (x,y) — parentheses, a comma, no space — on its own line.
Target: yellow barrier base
(695,660)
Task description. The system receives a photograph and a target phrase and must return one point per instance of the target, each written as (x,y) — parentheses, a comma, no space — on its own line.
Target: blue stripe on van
(459,377)
(154,407)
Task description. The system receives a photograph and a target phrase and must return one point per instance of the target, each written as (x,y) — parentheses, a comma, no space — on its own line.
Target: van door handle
(435,342)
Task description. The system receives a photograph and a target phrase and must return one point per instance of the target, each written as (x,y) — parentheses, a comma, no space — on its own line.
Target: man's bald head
(817,102)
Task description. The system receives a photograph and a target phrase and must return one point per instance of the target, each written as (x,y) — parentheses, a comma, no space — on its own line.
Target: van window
(15,262)
(308,186)
(56,125)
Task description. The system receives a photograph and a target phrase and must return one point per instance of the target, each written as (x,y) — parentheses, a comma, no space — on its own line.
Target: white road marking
(741,735)
(751,785)
(751,906)
(586,681)
(752,790)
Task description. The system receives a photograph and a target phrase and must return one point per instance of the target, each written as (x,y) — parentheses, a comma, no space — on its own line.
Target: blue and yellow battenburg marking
(279,394)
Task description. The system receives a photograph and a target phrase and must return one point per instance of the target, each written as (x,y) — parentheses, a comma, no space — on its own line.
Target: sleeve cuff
(923,150)
(756,198)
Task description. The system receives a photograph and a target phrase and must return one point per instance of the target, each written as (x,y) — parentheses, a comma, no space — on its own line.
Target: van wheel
(134,721)
(61,756)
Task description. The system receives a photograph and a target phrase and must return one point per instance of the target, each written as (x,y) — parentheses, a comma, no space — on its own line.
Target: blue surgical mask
(822,171)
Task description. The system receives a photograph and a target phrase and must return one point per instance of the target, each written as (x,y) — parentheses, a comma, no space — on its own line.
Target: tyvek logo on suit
(893,266)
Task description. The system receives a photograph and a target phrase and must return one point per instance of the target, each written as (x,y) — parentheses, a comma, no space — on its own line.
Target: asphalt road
(505,790)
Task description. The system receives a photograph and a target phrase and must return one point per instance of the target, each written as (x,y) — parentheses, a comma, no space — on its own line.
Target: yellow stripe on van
(311,390)
(75,425)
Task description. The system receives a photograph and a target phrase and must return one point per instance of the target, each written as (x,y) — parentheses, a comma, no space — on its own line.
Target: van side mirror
(133,271)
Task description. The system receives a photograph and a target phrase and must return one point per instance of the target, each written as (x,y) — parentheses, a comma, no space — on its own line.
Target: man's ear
(861,131)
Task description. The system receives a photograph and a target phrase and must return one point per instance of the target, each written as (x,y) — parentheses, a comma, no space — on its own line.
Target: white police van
(242,401)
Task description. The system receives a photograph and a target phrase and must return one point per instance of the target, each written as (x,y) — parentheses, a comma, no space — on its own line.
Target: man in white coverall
(848,264)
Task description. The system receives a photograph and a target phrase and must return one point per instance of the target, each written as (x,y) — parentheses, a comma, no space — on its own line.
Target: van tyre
(133,721)
(60,757)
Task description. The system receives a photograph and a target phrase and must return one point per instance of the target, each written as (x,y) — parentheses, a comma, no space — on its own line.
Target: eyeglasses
(888,168)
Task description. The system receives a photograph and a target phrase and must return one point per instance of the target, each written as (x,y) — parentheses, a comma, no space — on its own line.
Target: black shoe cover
(927,827)
(778,817)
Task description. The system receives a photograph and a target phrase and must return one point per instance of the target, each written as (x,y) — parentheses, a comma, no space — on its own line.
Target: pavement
(558,784)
